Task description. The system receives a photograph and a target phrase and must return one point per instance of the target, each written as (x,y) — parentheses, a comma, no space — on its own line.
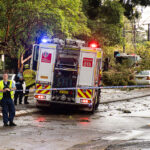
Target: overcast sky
(145,16)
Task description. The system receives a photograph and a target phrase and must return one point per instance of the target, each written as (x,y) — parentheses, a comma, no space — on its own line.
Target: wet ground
(49,130)
(115,126)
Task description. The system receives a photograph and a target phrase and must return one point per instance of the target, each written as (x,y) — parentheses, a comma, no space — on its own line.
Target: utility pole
(134,35)
(149,32)
(124,35)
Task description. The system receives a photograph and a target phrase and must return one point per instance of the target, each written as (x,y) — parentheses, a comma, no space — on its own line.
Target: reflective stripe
(84,93)
(89,50)
(99,54)
(45,89)
(1,88)
(29,77)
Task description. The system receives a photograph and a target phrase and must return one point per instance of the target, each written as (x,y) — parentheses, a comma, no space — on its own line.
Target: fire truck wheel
(93,108)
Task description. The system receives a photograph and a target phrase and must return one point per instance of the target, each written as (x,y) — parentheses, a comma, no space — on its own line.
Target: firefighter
(19,86)
(29,77)
(6,98)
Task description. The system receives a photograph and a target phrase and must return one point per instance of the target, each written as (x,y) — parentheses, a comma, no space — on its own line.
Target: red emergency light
(93,44)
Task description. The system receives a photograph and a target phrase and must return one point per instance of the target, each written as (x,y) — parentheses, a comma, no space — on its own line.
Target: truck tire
(92,111)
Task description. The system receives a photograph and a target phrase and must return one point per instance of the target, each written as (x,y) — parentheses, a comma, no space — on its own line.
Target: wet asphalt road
(66,129)
(55,130)
(60,130)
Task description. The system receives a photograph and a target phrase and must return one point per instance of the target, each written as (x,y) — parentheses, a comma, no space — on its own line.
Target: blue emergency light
(45,40)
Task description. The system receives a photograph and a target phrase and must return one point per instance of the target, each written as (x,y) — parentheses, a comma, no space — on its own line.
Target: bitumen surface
(121,125)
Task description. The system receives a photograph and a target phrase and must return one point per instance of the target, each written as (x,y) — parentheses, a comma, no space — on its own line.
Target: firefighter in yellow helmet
(29,78)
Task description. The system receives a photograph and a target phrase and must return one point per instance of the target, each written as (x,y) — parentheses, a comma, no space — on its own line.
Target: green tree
(129,5)
(23,21)
(143,49)
(105,19)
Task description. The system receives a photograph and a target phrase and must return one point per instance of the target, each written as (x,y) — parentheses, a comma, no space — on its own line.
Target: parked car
(12,77)
(143,77)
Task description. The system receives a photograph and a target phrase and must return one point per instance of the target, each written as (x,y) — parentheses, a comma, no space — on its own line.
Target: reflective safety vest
(29,77)
(1,88)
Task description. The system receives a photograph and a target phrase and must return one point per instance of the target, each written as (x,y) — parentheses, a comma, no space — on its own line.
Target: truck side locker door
(86,72)
(46,63)
(86,69)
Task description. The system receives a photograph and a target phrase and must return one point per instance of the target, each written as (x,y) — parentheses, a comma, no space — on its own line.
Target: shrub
(112,78)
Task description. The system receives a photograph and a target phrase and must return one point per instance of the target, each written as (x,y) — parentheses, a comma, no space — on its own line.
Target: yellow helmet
(26,66)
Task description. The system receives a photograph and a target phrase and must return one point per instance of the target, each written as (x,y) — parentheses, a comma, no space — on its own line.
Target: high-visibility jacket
(29,77)
(2,86)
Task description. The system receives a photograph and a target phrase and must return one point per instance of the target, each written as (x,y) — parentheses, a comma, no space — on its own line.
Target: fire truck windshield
(65,62)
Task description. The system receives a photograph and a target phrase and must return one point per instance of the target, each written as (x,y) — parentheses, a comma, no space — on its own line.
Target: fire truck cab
(67,64)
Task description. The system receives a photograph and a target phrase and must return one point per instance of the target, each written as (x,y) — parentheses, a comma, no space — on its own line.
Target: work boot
(5,125)
(26,102)
(12,124)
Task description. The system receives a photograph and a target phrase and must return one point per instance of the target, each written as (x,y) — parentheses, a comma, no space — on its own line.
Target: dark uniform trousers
(27,93)
(8,110)
(18,94)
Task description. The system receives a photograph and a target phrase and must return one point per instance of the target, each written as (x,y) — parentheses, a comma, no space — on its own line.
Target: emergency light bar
(70,42)
(75,42)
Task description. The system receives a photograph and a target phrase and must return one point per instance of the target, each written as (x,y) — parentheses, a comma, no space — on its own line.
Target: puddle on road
(84,121)
(124,135)
(41,119)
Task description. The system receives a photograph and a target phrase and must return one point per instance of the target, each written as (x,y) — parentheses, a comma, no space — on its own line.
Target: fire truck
(69,65)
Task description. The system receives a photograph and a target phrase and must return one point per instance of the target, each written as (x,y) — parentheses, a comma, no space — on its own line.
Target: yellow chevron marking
(90,95)
(44,91)
(38,87)
(83,96)
(49,90)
